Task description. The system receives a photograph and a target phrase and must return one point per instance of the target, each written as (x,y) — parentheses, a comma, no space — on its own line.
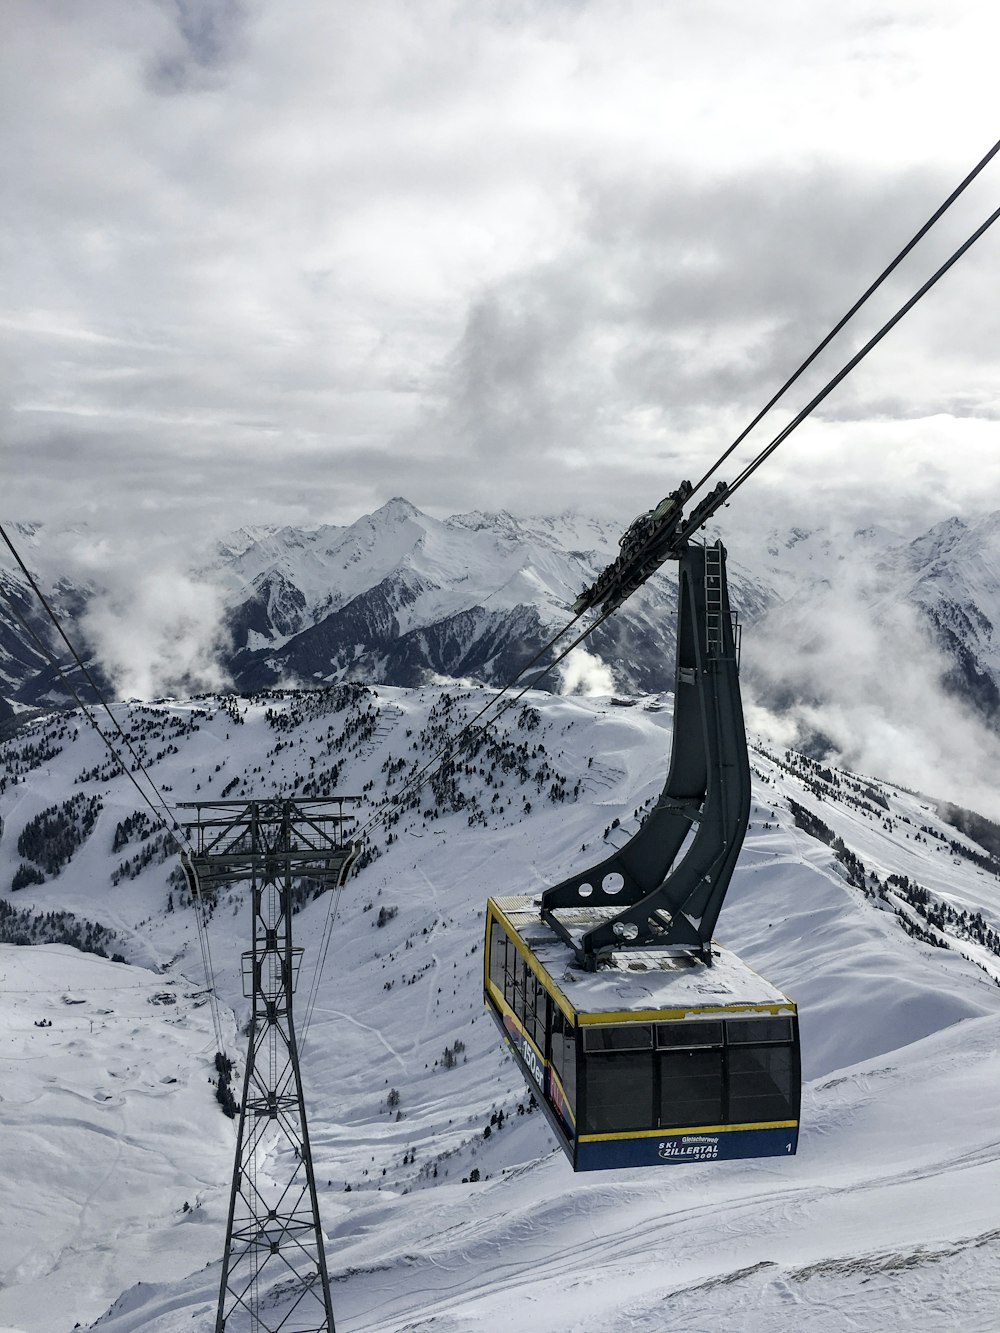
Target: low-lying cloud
(156,629)
(854,674)
(159,636)
(585,673)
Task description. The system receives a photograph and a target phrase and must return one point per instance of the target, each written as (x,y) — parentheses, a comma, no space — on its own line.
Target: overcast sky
(277,262)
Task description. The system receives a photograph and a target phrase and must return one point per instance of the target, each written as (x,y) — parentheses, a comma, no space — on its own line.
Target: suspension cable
(160,809)
(820,347)
(845,319)
(317,975)
(423,775)
(858,357)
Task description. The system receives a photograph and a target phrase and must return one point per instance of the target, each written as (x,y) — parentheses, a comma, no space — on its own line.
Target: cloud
(156,628)
(262,258)
(160,636)
(206,35)
(851,672)
(584,673)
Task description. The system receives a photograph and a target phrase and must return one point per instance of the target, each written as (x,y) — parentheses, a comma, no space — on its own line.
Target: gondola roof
(637,984)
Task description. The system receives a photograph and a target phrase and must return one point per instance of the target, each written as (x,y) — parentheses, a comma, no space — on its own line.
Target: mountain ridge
(398,596)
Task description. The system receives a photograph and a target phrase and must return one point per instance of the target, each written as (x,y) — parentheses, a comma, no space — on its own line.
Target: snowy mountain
(852,895)
(850,633)
(399,597)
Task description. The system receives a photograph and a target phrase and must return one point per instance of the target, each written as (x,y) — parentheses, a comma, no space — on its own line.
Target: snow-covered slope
(890,1212)
(104,1128)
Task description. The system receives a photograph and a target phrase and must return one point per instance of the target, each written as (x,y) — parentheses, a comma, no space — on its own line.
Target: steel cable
(170,826)
(845,319)
(858,357)
(424,774)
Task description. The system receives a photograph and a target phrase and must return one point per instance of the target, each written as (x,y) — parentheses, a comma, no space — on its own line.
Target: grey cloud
(206,35)
(429,249)
(706,295)
(851,670)
(693,303)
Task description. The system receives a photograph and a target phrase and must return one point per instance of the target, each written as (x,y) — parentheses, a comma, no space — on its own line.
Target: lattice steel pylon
(274,1274)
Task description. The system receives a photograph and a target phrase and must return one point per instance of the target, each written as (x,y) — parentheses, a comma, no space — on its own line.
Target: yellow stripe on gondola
(534,966)
(688,1129)
(497,997)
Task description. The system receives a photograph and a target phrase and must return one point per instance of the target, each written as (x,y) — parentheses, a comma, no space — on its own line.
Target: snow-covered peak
(396,510)
(236,543)
(937,542)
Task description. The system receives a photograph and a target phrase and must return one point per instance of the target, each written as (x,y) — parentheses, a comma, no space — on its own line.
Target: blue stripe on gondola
(678,1149)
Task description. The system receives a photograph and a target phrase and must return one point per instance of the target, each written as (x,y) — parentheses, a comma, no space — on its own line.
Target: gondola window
(760,1084)
(619,1078)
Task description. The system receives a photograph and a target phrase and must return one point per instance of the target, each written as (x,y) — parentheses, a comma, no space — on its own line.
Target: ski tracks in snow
(377,1033)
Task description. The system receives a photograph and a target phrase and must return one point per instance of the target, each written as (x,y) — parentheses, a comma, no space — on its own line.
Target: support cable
(317,976)
(845,319)
(159,809)
(858,357)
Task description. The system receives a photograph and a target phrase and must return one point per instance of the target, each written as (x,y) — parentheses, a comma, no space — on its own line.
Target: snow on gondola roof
(638,984)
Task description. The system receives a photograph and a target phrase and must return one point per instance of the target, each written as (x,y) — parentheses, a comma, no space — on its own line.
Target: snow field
(889,1212)
(108,1129)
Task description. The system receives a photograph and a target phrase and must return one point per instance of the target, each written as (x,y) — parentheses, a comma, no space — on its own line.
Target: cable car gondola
(646,1042)
(652,1059)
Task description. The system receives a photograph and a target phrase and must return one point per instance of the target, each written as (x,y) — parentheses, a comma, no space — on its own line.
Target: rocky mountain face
(952,576)
(399,597)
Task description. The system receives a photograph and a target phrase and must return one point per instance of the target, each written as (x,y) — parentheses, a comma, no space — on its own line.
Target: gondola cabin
(655,1058)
